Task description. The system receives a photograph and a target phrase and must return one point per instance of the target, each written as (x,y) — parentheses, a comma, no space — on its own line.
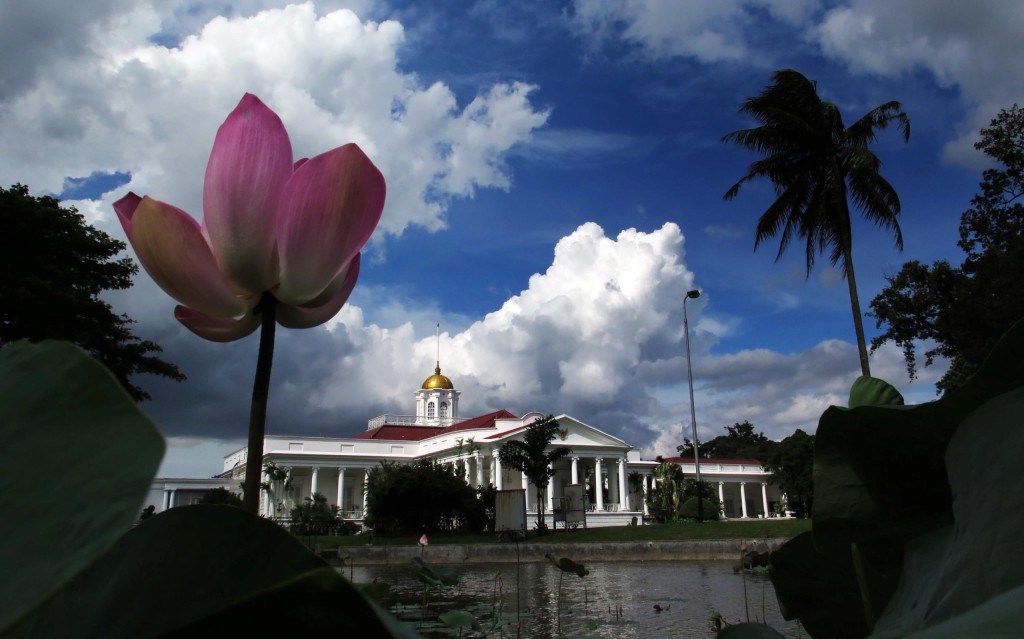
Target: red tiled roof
(507,432)
(712,460)
(419,433)
(401,433)
(478,423)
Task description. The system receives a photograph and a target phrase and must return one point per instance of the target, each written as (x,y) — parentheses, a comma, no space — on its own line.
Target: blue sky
(555,176)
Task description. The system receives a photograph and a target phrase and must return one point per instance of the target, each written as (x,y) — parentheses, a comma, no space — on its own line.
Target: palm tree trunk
(541,527)
(858,317)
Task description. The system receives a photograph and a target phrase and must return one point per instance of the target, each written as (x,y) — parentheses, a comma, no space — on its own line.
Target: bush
(421,497)
(688,509)
(221,496)
(315,517)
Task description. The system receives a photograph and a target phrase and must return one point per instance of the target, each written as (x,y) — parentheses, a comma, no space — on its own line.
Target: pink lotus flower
(293,231)
(423,540)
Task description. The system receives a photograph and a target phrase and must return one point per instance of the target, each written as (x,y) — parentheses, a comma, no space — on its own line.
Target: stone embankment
(690,550)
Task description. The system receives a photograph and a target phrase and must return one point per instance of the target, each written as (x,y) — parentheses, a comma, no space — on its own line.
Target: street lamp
(692,295)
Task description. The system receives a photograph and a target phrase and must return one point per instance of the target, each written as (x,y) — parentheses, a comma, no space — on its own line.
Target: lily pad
(459,619)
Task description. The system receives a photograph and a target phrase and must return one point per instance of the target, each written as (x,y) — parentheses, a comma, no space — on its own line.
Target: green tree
(422,497)
(739,442)
(791,464)
(666,497)
(222,496)
(54,267)
(817,165)
(674,495)
(314,516)
(965,310)
(535,457)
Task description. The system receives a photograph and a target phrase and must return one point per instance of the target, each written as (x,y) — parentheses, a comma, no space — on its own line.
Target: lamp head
(694,294)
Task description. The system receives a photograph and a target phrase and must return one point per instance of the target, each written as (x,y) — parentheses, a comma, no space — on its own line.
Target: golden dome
(437,380)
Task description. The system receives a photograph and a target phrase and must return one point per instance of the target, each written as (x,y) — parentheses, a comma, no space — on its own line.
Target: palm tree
(817,165)
(534,458)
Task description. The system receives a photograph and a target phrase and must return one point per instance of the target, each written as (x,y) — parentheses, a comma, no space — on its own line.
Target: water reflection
(614,600)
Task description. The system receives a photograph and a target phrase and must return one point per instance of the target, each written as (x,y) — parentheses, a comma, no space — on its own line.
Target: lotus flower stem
(267,309)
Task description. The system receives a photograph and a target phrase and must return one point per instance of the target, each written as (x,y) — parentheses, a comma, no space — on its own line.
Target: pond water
(614,600)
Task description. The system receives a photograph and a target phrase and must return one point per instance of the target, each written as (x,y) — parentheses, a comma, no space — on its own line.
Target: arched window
(430,410)
(444,410)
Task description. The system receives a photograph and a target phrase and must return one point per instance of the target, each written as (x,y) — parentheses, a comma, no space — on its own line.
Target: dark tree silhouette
(965,310)
(54,267)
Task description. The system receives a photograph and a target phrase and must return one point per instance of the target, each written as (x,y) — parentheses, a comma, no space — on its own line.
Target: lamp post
(692,295)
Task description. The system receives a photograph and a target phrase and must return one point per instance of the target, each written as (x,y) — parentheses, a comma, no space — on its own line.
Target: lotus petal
(217,329)
(172,249)
(250,163)
(299,317)
(329,209)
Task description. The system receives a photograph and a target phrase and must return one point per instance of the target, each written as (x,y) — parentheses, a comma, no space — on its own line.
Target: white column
(743,498)
(479,469)
(366,488)
(721,499)
(645,496)
(623,495)
(764,498)
(167,501)
(498,483)
(315,482)
(525,486)
(341,491)
(170,501)
(551,492)
(598,484)
(575,470)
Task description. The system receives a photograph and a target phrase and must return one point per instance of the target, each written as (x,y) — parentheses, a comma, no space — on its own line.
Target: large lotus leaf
(79,459)
(871,391)
(820,589)
(880,471)
(317,601)
(949,573)
(204,571)
(749,631)
(880,481)
(997,618)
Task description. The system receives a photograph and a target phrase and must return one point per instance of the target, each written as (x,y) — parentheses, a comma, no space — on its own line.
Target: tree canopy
(964,310)
(422,497)
(534,457)
(791,463)
(739,442)
(817,164)
(674,496)
(54,267)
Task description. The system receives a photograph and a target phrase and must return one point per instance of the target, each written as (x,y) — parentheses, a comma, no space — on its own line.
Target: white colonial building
(338,468)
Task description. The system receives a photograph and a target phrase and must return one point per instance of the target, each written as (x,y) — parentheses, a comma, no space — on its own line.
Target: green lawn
(754,529)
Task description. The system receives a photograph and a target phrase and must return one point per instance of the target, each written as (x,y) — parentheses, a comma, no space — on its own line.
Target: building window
(430,410)
(444,410)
